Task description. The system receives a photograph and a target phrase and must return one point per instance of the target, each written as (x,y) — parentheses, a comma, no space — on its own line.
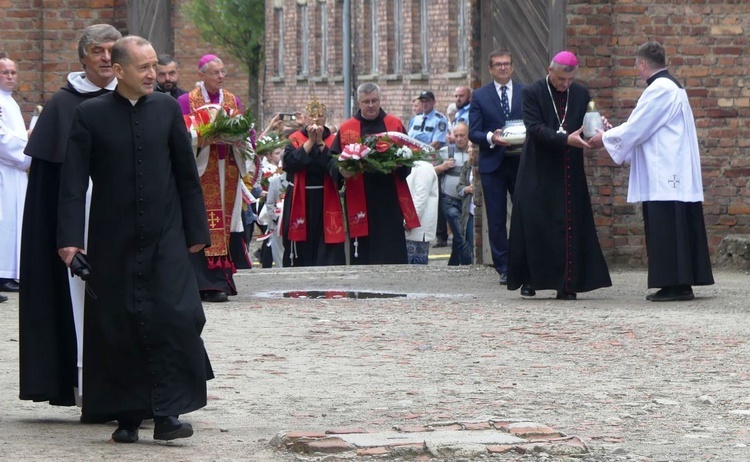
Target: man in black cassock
(47,331)
(143,354)
(308,163)
(553,241)
(385,242)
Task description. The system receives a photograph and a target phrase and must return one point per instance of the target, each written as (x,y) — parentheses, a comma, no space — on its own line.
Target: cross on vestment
(673,181)
(213,219)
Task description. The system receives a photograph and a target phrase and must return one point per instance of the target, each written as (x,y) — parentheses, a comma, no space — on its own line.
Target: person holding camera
(143,354)
(454,157)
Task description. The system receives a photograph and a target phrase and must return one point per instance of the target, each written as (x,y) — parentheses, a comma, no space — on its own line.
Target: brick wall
(707,48)
(290,92)
(41,36)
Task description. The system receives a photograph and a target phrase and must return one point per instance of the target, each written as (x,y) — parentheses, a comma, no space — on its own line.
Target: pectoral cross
(213,219)
(673,181)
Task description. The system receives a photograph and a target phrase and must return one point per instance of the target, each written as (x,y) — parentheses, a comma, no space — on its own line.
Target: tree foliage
(238,27)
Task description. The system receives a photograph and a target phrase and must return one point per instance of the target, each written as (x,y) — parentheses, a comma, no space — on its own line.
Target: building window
(336,30)
(370,20)
(463,33)
(396,43)
(303,39)
(425,39)
(278,27)
(323,15)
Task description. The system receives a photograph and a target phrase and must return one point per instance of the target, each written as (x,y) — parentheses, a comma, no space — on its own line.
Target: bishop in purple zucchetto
(566,58)
(206,59)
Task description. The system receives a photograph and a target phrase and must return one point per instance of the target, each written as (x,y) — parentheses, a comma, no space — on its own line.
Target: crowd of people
(128,224)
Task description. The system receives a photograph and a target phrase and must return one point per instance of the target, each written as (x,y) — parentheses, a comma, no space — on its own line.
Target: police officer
(430,126)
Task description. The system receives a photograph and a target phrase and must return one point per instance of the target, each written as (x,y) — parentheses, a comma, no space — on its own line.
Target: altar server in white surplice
(13,178)
(659,141)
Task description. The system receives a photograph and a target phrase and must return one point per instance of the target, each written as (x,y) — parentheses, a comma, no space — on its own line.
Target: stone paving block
(500,448)
(326,445)
(376,451)
(345,431)
(413,429)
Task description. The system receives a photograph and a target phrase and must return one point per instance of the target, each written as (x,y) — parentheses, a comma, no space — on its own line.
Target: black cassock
(142,346)
(317,164)
(385,243)
(47,337)
(553,241)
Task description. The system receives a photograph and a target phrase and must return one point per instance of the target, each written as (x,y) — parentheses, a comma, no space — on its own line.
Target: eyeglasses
(7,73)
(222,72)
(502,64)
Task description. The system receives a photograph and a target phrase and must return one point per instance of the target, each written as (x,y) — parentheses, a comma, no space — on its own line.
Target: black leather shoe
(127,431)
(9,286)
(561,295)
(440,244)
(170,428)
(527,292)
(214,296)
(503,279)
(672,294)
(3,298)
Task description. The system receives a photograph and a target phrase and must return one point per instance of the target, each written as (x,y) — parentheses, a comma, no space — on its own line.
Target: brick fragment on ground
(467,439)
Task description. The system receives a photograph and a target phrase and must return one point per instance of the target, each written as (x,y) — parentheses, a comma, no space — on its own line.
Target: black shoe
(214,296)
(440,243)
(170,428)
(672,294)
(9,285)
(503,279)
(127,431)
(562,295)
(3,298)
(527,292)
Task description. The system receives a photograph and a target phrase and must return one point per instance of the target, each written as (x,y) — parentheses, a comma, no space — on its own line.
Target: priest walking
(143,354)
(659,141)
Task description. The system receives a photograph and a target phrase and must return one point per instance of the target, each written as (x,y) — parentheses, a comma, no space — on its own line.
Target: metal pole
(347,52)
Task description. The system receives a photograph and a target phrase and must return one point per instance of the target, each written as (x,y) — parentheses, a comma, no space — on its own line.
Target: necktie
(504,102)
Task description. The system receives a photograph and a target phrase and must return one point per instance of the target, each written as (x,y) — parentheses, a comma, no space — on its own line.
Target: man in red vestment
(376,221)
(221,168)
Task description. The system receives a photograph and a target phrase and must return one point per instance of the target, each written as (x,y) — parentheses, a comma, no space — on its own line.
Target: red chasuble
(333,217)
(219,217)
(356,205)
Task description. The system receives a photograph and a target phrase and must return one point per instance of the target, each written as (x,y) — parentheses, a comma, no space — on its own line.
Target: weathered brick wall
(707,49)
(290,92)
(42,37)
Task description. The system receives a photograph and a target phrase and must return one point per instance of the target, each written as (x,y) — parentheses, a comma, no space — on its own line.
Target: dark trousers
(460,250)
(495,189)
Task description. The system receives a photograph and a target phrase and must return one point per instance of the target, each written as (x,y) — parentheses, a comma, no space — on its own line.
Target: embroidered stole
(356,204)
(219,214)
(333,217)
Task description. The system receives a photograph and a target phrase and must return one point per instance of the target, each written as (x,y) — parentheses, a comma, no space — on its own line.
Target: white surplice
(13,181)
(660,142)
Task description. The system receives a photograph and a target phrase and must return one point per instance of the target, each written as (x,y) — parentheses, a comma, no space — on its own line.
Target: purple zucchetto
(566,58)
(206,59)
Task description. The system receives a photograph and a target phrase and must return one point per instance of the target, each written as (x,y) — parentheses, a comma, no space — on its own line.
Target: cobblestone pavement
(634,380)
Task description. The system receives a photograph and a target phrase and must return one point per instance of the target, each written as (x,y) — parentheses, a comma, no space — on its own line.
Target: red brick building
(410,45)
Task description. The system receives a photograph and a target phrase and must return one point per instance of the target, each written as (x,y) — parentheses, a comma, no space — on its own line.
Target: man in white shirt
(13,178)
(659,141)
